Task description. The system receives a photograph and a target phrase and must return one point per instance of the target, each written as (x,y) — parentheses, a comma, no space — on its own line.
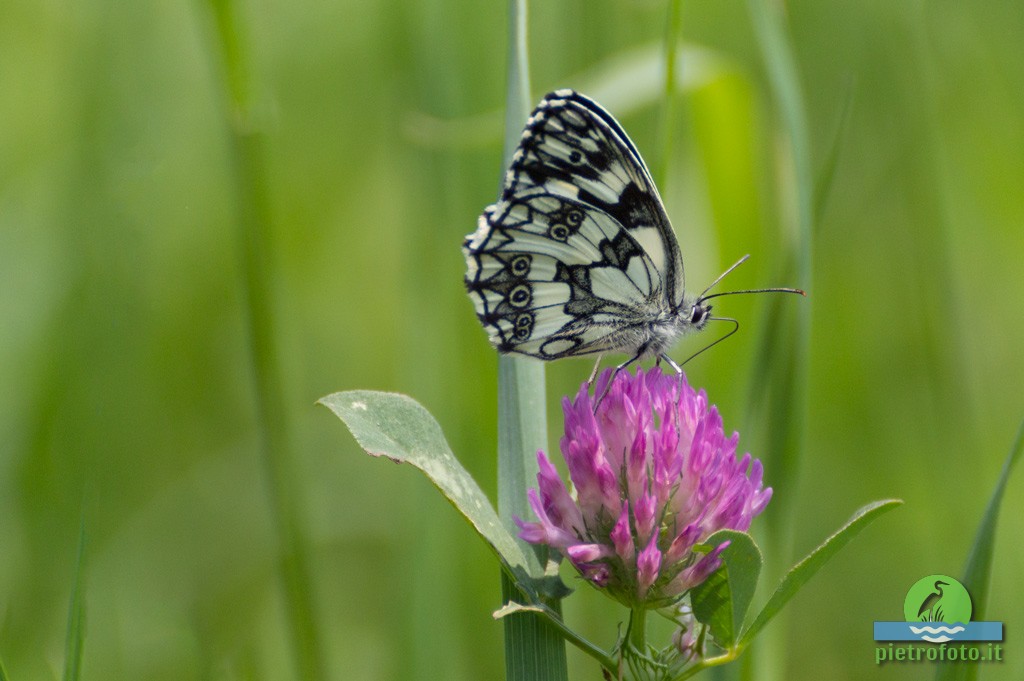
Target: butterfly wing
(578,256)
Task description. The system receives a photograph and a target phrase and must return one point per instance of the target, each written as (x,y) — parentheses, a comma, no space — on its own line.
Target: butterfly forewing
(578,256)
(573,147)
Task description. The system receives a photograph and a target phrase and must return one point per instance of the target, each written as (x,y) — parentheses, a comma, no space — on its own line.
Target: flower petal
(622,538)
(648,565)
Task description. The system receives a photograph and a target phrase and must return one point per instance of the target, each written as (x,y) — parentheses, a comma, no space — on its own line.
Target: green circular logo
(937,598)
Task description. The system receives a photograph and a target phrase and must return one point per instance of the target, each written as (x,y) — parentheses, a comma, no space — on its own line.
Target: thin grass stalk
(785,84)
(943,311)
(790,360)
(74,639)
(534,650)
(672,31)
(256,246)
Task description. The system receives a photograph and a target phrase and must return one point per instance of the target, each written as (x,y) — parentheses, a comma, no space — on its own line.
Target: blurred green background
(127,383)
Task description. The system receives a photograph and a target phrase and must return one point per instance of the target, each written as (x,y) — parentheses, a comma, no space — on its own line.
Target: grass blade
(979,561)
(75,638)
(978,572)
(256,245)
(788,433)
(823,187)
(672,28)
(787,371)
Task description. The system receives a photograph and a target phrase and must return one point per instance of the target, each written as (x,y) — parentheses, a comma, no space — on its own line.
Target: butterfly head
(699,314)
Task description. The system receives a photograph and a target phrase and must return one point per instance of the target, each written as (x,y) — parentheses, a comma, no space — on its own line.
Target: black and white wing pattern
(577,257)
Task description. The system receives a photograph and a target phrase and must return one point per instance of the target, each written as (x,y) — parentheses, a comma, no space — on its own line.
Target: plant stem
(534,649)
(256,245)
(522,418)
(638,629)
(708,662)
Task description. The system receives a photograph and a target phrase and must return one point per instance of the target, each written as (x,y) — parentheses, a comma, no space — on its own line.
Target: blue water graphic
(938,632)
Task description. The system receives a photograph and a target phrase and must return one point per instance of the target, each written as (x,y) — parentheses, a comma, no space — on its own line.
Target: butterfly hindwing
(551,279)
(577,256)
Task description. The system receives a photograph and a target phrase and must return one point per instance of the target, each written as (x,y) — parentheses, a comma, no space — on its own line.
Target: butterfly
(578,256)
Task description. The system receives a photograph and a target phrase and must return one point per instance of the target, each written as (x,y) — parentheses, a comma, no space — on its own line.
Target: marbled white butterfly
(578,256)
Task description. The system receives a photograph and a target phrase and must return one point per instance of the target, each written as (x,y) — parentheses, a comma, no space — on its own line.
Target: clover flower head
(653,476)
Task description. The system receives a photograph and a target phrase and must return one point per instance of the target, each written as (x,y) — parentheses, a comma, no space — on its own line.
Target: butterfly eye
(559,232)
(574,218)
(520,296)
(699,314)
(575,156)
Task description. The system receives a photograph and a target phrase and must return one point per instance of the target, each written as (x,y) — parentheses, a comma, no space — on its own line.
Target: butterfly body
(578,257)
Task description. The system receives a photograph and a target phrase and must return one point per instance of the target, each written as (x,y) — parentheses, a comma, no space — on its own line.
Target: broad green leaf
(399,428)
(802,572)
(979,561)
(722,600)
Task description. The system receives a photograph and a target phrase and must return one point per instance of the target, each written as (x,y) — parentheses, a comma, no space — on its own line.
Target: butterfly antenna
(722,276)
(704,295)
(780,289)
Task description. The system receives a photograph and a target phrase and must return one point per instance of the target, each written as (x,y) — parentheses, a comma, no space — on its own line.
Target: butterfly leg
(615,372)
(678,369)
(593,374)
(675,367)
(679,390)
